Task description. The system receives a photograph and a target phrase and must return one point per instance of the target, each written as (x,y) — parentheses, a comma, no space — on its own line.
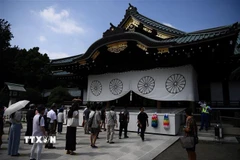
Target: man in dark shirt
(123,120)
(142,122)
(29,117)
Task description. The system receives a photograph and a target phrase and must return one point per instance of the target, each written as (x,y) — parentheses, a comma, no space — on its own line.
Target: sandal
(68,152)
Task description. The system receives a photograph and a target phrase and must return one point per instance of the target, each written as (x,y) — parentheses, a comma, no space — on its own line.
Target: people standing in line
(45,119)
(204,115)
(56,126)
(103,118)
(123,120)
(71,130)
(1,123)
(60,120)
(142,122)
(86,113)
(94,127)
(191,130)
(99,107)
(52,121)
(15,133)
(29,117)
(138,125)
(111,122)
(38,130)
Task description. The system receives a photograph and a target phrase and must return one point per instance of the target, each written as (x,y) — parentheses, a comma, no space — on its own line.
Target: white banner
(163,84)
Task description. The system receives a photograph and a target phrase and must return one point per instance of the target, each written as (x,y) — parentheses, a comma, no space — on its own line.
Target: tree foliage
(5,34)
(59,95)
(33,95)
(27,67)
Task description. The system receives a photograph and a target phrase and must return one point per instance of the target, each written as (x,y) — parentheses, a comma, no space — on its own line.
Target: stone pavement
(205,150)
(123,149)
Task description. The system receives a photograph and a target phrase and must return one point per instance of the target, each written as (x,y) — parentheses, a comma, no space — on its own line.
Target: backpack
(40,120)
(90,120)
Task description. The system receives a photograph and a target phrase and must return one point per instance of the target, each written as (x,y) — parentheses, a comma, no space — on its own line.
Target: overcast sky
(63,28)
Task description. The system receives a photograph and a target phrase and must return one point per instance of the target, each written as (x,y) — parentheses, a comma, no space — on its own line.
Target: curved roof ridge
(66,59)
(176,30)
(214,29)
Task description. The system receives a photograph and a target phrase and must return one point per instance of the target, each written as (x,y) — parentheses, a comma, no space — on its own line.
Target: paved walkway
(205,150)
(123,149)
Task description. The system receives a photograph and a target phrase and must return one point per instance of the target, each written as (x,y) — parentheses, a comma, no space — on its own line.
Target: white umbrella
(16,107)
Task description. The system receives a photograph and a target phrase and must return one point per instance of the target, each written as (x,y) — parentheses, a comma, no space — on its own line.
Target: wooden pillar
(225,89)
(108,104)
(192,106)
(158,104)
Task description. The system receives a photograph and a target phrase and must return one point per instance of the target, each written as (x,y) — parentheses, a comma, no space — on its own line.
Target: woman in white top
(71,130)
(15,133)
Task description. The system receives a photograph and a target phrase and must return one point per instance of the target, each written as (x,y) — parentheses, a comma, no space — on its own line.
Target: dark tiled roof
(66,60)
(132,12)
(189,38)
(156,25)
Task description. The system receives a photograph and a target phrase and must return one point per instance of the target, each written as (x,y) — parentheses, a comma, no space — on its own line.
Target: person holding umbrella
(15,133)
(15,130)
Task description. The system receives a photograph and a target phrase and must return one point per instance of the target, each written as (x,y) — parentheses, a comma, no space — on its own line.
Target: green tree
(33,95)
(5,34)
(5,38)
(59,95)
(33,67)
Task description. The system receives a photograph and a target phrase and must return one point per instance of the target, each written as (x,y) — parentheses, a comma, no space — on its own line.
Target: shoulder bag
(187,141)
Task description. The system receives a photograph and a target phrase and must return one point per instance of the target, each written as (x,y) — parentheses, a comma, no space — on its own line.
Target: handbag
(73,122)
(90,121)
(187,141)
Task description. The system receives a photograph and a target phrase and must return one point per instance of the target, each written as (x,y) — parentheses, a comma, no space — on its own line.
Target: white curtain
(163,84)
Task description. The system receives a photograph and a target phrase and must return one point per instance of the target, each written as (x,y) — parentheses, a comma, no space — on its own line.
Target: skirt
(71,138)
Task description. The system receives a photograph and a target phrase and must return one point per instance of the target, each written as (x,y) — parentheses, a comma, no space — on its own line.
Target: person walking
(60,120)
(52,119)
(204,115)
(38,130)
(86,113)
(15,133)
(191,130)
(142,122)
(72,129)
(111,122)
(103,118)
(29,117)
(123,120)
(94,125)
(98,111)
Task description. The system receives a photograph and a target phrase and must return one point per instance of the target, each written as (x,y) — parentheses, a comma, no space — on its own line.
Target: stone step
(206,134)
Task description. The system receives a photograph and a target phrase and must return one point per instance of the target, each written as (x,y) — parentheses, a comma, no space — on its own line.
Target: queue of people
(39,117)
(44,122)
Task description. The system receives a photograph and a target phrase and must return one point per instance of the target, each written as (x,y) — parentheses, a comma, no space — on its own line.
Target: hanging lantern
(155,120)
(166,121)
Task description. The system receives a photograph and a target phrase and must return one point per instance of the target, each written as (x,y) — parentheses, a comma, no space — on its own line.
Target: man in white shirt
(111,121)
(60,120)
(38,130)
(52,119)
